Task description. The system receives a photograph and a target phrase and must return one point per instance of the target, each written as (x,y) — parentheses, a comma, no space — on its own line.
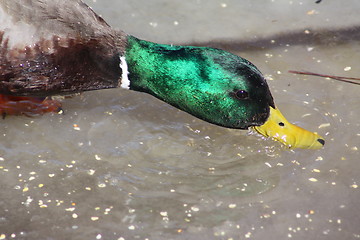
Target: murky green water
(123,165)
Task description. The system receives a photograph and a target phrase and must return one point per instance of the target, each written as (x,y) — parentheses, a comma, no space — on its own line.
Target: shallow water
(123,165)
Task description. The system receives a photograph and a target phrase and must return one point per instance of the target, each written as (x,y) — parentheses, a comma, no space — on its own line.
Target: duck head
(211,84)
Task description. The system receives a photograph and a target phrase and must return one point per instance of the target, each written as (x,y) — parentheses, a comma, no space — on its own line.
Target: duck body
(54,47)
(69,48)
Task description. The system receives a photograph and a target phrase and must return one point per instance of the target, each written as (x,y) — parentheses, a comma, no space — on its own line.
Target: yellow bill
(279,129)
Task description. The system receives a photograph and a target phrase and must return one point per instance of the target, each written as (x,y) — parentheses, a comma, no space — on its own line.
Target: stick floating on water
(338,78)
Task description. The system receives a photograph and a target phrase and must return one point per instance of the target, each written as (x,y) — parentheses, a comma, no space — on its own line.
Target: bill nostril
(322,141)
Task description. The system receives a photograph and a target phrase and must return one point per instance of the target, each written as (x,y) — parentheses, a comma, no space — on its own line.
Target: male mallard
(50,47)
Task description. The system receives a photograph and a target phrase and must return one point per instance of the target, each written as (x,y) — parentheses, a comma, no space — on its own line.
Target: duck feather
(56,47)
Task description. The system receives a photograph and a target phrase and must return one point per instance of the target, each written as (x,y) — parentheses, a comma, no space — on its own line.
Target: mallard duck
(52,47)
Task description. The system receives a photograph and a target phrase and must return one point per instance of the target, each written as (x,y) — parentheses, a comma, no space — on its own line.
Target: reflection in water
(306,36)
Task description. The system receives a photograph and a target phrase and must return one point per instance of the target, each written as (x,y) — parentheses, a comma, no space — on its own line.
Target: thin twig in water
(338,78)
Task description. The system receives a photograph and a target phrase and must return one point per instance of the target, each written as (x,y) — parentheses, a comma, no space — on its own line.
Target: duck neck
(160,70)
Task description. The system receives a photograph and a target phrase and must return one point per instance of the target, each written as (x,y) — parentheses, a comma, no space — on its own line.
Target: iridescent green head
(211,84)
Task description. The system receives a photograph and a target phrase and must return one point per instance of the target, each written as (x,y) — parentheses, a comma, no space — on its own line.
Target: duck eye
(241,94)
